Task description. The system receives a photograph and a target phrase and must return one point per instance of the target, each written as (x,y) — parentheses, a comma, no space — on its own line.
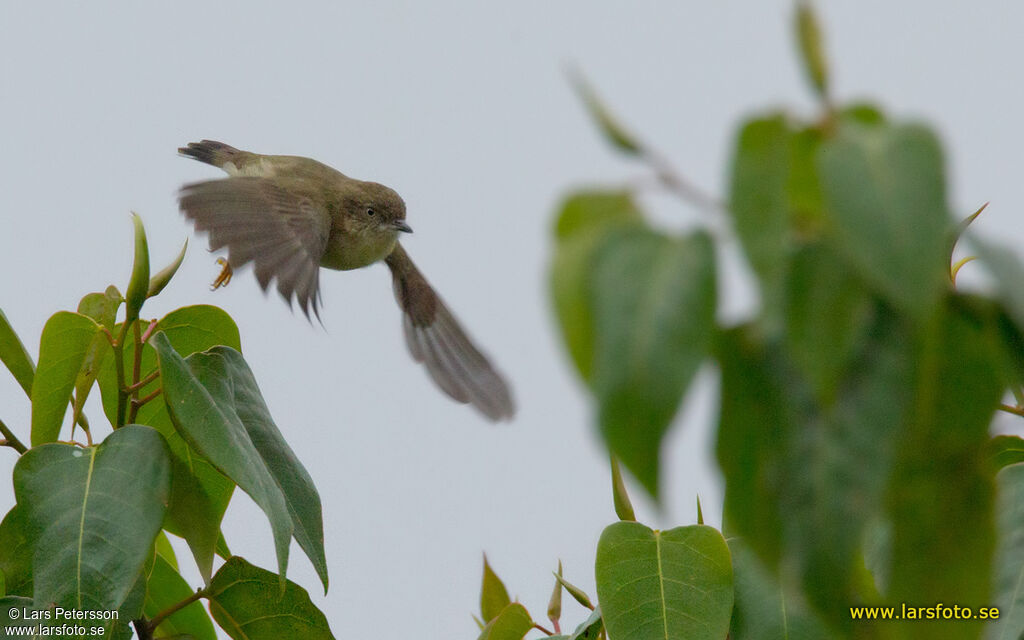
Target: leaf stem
(174,608)
(137,364)
(537,625)
(122,393)
(1017,411)
(12,440)
(675,182)
(150,377)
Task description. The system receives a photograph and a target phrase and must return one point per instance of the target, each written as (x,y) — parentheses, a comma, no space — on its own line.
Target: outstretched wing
(269,222)
(435,338)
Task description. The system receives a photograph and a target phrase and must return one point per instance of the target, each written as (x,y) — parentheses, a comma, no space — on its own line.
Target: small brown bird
(290,216)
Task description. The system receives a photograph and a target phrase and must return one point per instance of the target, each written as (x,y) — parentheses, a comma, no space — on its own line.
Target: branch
(12,440)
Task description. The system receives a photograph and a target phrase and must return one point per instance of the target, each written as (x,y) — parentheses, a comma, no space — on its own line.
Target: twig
(174,608)
(12,440)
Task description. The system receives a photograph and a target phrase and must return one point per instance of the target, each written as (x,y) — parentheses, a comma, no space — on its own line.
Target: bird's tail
(210,152)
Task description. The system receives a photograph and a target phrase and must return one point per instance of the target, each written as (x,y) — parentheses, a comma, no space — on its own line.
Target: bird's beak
(402,226)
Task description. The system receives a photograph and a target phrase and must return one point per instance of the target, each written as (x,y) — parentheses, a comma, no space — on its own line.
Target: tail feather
(210,152)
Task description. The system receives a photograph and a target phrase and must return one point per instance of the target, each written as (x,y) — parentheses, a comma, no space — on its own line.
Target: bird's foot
(225,275)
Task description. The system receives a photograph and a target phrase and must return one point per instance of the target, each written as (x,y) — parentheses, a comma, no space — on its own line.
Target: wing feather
(273,223)
(436,339)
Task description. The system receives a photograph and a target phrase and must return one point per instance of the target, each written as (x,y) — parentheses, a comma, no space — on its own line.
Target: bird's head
(379,211)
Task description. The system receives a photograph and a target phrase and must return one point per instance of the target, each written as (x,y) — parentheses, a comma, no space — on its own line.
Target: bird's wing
(270,222)
(435,338)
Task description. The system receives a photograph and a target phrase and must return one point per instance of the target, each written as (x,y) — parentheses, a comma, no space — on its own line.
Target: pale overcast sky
(464,109)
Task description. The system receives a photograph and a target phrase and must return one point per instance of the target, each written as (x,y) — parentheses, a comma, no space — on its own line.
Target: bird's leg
(225,275)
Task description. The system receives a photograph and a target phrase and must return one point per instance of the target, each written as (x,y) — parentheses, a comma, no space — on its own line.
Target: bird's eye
(370,211)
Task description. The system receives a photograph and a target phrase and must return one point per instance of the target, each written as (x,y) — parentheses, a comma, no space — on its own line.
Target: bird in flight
(290,215)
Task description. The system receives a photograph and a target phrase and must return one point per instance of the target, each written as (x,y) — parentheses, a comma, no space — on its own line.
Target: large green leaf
(225,374)
(493,595)
(62,350)
(942,479)
(585,220)
(885,190)
(199,493)
(512,623)
(763,609)
(247,602)
(15,357)
(166,588)
(796,482)
(205,417)
(1009,578)
(93,515)
(16,553)
(827,310)
(665,585)
(654,311)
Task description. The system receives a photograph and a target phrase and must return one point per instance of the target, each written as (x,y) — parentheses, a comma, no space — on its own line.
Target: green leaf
(1003,451)
(941,475)
(199,493)
(585,220)
(589,629)
(62,350)
(796,481)
(654,313)
(1009,562)
(164,550)
(205,419)
(160,280)
(493,596)
(16,553)
(512,623)
(827,313)
(101,307)
(674,584)
(15,357)
(166,588)
(759,201)
(93,515)
(812,53)
(222,365)
(247,602)
(885,190)
(613,132)
(763,609)
(138,286)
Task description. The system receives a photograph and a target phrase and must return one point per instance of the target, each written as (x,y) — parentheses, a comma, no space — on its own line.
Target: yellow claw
(225,275)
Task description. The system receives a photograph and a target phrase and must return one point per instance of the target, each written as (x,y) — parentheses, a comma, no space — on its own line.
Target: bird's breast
(353,251)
